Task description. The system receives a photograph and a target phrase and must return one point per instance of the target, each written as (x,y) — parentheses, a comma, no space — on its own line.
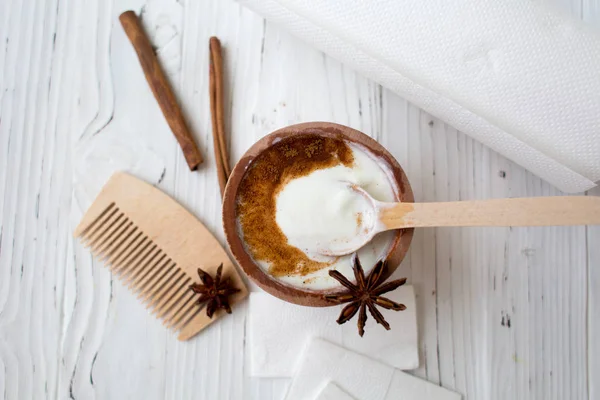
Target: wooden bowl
(295,295)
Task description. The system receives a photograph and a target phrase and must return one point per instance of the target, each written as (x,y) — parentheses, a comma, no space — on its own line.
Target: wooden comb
(155,246)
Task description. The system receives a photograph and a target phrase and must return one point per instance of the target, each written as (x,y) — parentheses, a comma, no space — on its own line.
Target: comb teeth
(154,246)
(142,266)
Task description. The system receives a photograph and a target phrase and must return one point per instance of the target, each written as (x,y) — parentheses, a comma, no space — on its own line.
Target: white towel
(515,75)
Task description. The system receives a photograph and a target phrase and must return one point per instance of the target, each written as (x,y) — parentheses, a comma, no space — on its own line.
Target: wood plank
(74,107)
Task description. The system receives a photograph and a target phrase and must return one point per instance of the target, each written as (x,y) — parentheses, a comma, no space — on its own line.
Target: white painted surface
(504,313)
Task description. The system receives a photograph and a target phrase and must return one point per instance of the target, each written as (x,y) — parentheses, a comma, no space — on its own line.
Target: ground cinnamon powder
(268,174)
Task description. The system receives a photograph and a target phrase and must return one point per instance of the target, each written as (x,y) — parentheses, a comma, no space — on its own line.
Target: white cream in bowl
(320,208)
(295,196)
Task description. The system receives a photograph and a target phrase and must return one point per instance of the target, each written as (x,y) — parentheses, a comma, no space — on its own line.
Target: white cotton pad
(331,391)
(278,332)
(514,74)
(360,377)
(408,387)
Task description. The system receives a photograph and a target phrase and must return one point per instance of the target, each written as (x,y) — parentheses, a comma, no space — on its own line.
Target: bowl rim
(295,295)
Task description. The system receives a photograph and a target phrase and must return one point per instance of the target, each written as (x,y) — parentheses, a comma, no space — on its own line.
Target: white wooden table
(504,313)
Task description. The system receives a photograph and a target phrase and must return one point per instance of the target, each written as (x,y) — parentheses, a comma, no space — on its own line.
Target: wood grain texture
(504,313)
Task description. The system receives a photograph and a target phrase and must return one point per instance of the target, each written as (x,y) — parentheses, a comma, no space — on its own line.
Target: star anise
(214,292)
(366,293)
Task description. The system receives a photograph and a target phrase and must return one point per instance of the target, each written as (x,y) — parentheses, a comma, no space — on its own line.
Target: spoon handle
(536,211)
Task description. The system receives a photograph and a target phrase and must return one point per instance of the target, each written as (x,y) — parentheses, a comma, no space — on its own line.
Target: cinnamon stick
(216,112)
(160,87)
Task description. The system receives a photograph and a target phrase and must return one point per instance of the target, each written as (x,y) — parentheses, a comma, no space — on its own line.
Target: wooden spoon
(536,211)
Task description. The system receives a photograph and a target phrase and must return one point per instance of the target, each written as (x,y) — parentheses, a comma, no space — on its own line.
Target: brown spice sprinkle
(359,219)
(257,194)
